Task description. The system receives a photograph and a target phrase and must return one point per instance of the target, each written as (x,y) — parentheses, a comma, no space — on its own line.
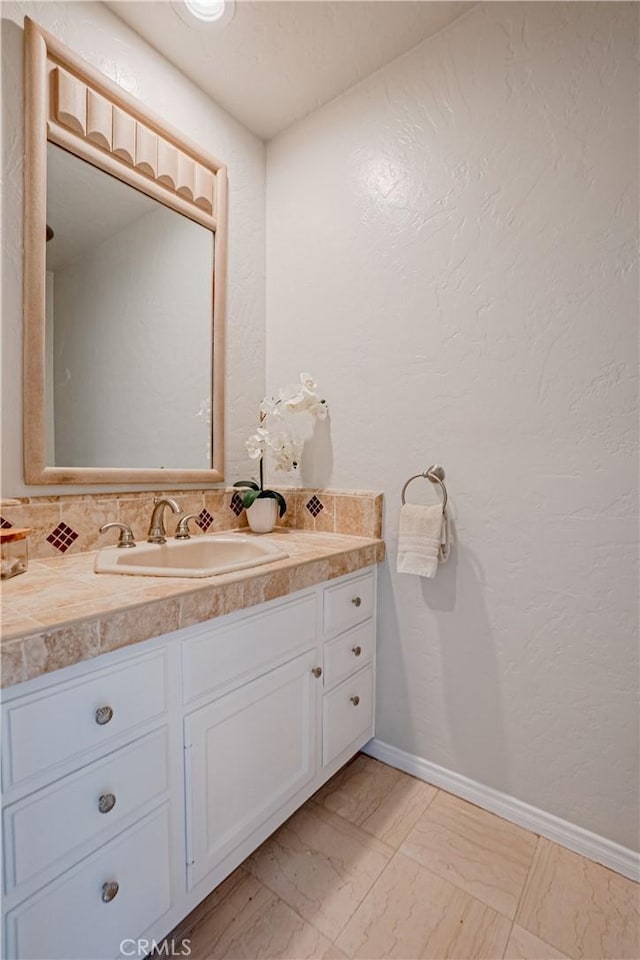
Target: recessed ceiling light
(199,13)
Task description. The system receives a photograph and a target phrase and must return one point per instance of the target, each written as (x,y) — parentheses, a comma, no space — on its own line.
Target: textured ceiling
(278,60)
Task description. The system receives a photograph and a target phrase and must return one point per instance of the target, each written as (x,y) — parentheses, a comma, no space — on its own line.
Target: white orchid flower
(303,399)
(285,450)
(270,407)
(257,443)
(297,403)
(285,394)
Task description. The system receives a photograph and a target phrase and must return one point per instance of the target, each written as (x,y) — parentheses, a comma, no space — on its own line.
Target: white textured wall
(92,31)
(451,249)
(132,351)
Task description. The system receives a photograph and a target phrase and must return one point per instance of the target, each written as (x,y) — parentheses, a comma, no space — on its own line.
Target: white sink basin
(202,556)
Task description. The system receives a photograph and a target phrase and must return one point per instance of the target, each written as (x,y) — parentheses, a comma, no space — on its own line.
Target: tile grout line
(363,898)
(453,884)
(290,906)
(534,862)
(368,836)
(525,886)
(185,930)
(320,804)
(422,866)
(536,857)
(475,896)
(430,871)
(304,920)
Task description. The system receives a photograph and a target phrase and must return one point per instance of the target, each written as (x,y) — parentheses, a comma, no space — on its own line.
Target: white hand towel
(423,539)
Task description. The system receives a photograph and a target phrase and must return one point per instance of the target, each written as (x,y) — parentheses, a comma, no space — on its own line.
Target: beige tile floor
(380,865)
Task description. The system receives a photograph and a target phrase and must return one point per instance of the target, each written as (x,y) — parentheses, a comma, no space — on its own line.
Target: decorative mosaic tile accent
(314,506)
(349,512)
(62,536)
(204,520)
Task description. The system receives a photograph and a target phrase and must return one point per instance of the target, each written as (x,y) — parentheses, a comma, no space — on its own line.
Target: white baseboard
(590,845)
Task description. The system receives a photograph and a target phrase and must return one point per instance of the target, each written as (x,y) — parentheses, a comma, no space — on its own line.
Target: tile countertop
(61,611)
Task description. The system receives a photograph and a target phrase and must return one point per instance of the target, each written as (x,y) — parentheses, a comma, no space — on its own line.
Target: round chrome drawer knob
(356,601)
(103,715)
(106,802)
(317,671)
(356,651)
(109,891)
(355,701)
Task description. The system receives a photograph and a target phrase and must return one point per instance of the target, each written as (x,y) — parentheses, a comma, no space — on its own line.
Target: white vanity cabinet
(135,782)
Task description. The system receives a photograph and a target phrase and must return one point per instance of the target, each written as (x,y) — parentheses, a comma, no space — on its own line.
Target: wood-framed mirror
(125,224)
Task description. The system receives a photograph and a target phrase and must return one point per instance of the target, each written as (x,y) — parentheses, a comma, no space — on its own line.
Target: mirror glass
(129,323)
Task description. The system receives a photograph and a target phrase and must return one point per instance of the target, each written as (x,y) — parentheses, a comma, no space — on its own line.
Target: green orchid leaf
(247,483)
(282,504)
(249,497)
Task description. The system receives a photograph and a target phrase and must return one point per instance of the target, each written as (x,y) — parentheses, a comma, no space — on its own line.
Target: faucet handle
(126,536)
(182,531)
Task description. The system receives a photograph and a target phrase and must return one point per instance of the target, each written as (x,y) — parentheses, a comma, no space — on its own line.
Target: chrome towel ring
(435,474)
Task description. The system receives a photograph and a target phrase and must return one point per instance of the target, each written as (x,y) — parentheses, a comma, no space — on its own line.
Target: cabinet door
(247,754)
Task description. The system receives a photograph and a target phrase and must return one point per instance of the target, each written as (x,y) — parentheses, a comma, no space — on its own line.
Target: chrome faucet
(157,532)
(182,530)
(126,536)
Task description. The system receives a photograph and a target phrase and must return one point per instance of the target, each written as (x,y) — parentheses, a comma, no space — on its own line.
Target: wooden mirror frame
(70,103)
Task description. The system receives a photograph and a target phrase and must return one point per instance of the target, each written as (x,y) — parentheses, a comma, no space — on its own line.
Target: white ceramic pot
(262,515)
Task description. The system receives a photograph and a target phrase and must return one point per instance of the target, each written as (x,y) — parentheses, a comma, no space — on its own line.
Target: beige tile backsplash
(355,513)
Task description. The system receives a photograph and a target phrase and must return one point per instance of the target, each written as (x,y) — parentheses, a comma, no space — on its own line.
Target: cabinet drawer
(347,713)
(348,603)
(51,727)
(69,919)
(349,652)
(246,648)
(48,825)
